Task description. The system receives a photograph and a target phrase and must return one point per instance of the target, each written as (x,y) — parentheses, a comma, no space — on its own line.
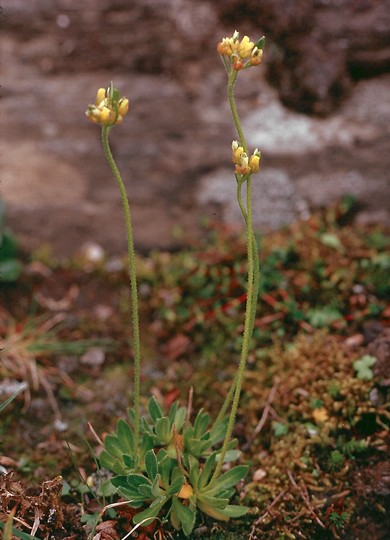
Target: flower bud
(254,163)
(186,492)
(100,96)
(243,166)
(123,107)
(237,152)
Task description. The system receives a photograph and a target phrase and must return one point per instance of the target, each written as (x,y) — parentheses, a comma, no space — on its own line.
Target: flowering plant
(166,465)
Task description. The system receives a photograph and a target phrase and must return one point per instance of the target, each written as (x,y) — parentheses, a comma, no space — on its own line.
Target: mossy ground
(312,425)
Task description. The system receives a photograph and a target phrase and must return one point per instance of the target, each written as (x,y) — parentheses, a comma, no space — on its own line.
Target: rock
(174,147)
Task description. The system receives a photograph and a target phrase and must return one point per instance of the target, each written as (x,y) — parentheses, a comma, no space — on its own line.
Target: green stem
(233,108)
(133,281)
(252,292)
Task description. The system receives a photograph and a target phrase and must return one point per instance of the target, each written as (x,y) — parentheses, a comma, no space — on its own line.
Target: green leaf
(146,491)
(180,418)
(332,241)
(135,501)
(113,446)
(186,516)
(129,461)
(151,464)
(235,511)
(260,43)
(201,423)
(146,444)
(363,367)
(135,481)
(155,410)
(219,431)
(10,270)
(162,430)
(231,455)
(280,429)
(125,437)
(176,486)
(165,466)
(20,534)
(150,513)
(215,513)
(8,246)
(231,478)
(207,470)
(214,502)
(320,317)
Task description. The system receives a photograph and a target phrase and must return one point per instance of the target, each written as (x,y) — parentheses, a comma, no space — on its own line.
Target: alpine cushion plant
(165,465)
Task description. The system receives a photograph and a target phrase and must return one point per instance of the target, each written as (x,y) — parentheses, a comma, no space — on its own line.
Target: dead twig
(305,497)
(265,514)
(264,416)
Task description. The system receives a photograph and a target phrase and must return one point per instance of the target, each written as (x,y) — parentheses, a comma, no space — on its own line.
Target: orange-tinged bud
(242,169)
(238,65)
(257,56)
(226,46)
(186,492)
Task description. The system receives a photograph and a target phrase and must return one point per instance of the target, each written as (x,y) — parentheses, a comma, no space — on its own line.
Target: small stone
(60,426)
(93,357)
(355,341)
(259,475)
(92,252)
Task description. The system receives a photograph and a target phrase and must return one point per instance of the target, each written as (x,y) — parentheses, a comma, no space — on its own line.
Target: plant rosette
(171,472)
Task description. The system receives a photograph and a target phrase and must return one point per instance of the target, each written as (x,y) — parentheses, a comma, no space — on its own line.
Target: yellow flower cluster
(109,108)
(244,164)
(241,53)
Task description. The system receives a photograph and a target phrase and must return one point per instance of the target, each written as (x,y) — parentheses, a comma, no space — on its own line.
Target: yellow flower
(254,162)
(244,48)
(241,54)
(237,152)
(109,108)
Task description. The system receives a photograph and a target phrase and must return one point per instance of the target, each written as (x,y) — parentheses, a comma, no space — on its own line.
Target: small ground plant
(166,465)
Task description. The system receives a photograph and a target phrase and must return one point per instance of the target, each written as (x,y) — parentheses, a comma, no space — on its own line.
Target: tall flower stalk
(238,55)
(108,111)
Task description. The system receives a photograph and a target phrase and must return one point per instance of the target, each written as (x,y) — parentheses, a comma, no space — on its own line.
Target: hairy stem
(133,281)
(252,292)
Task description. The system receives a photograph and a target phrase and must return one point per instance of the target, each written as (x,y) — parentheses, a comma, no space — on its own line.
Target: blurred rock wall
(318,110)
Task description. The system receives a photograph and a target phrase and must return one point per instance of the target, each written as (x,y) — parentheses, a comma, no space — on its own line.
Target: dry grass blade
(22,346)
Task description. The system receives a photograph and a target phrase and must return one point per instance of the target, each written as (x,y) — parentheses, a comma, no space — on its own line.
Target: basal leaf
(155,410)
(231,478)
